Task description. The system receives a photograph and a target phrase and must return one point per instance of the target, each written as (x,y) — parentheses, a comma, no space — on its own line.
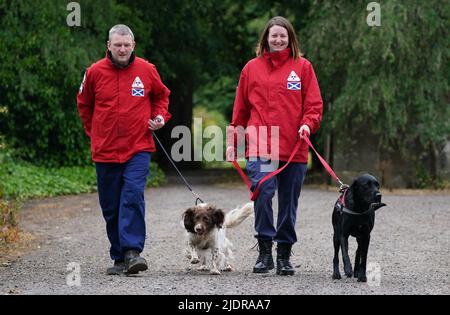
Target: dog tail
(236,216)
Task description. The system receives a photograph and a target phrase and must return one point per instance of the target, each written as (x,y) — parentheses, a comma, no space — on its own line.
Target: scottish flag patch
(293,81)
(137,88)
(137,92)
(294,85)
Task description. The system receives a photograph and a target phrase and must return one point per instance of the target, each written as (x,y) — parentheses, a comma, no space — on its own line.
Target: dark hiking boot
(284,267)
(117,269)
(134,263)
(264,263)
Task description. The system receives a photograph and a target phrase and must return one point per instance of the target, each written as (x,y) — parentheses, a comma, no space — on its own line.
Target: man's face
(121,47)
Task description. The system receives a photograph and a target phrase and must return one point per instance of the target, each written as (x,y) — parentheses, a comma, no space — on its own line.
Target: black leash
(179,173)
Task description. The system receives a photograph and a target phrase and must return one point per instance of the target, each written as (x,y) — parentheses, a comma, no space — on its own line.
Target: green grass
(21,180)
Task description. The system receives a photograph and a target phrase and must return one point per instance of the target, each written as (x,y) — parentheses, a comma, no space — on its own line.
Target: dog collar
(346,210)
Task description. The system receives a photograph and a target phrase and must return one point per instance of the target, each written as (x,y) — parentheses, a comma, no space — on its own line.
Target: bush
(39,82)
(22,180)
(9,226)
(425,181)
(212,118)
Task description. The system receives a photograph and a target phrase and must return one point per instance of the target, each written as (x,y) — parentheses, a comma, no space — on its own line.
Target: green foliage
(9,224)
(42,63)
(390,80)
(425,181)
(22,180)
(212,118)
(217,95)
(156,177)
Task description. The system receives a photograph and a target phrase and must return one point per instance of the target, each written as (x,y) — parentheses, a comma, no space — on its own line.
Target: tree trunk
(180,106)
(433,162)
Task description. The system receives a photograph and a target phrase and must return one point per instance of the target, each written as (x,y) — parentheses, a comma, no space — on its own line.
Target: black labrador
(354,214)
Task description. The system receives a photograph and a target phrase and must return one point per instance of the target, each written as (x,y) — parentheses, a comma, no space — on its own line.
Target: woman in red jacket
(277,102)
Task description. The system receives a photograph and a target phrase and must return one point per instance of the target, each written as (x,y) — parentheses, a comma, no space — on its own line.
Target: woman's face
(278,38)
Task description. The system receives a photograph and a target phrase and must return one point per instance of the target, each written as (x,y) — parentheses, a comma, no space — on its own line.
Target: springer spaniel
(206,230)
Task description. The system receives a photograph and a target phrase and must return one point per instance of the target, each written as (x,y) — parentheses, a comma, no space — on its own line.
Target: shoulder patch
(293,81)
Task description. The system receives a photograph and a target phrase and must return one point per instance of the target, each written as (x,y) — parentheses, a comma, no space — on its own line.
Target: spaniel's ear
(218,217)
(188,218)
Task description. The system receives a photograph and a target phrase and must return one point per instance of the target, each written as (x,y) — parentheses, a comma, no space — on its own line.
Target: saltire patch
(294,86)
(137,88)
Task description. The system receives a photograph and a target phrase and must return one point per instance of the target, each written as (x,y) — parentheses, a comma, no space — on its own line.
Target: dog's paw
(202,268)
(195,260)
(214,272)
(228,268)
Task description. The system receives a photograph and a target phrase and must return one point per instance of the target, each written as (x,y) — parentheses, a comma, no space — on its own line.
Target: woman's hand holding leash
(304,131)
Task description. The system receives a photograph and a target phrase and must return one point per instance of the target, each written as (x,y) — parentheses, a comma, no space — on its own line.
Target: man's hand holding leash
(156,123)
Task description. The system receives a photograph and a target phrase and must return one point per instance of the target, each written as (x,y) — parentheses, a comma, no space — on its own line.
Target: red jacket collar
(277,58)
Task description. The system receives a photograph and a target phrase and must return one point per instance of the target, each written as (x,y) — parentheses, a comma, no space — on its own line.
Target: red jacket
(115,105)
(276,90)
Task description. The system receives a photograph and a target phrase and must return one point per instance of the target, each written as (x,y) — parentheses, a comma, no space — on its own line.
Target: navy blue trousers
(289,184)
(121,194)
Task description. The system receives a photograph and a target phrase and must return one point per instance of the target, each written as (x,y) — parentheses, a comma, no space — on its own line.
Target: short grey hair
(120,29)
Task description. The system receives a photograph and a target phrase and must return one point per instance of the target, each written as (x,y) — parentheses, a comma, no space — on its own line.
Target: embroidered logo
(293,82)
(137,88)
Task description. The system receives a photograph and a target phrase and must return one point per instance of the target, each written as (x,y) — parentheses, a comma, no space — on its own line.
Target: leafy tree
(391,81)
(42,61)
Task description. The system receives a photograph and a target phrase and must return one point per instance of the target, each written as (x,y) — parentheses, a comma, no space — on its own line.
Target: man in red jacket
(121,101)
(278,97)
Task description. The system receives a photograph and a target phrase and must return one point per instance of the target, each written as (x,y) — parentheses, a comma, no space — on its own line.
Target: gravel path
(409,250)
